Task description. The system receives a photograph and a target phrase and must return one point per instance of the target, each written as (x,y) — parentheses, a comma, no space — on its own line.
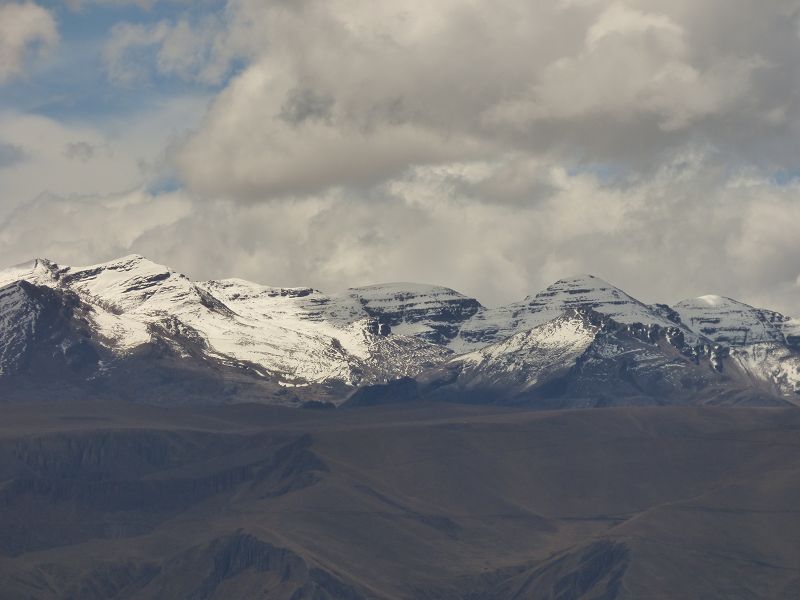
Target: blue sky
(72,83)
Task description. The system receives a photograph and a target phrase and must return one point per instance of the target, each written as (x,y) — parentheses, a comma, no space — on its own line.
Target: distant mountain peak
(234,288)
(581,291)
(728,321)
(714,301)
(582,287)
(592,292)
(128,262)
(403,287)
(584,278)
(45,263)
(38,270)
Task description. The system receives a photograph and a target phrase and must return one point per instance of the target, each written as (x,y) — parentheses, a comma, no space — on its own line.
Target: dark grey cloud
(11,154)
(82,151)
(81,5)
(304,104)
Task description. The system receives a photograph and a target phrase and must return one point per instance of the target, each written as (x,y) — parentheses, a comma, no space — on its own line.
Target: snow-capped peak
(430,312)
(402,291)
(581,291)
(129,263)
(576,284)
(131,283)
(234,288)
(589,291)
(728,321)
(714,300)
(39,271)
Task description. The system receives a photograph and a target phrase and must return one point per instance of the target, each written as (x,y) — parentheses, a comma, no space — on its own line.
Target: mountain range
(132,329)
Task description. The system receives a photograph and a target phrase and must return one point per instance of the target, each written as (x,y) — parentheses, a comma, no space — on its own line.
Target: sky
(492,147)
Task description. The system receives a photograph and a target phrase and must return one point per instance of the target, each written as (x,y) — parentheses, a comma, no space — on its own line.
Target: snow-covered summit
(728,321)
(241,289)
(582,291)
(589,291)
(431,312)
(404,293)
(39,271)
(131,283)
(766,344)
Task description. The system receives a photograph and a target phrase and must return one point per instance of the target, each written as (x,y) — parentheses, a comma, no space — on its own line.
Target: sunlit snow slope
(764,343)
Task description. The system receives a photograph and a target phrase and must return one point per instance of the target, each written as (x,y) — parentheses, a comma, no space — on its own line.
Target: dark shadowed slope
(436,501)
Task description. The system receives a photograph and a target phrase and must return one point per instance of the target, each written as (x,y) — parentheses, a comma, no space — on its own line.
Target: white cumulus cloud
(27,31)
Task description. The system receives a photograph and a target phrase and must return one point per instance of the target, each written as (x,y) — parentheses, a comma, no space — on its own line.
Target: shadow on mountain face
(236,565)
(241,565)
(432,501)
(595,571)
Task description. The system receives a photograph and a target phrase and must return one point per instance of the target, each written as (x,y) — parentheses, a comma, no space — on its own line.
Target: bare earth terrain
(423,501)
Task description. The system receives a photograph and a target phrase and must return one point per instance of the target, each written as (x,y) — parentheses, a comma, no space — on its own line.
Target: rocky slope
(45,335)
(584,358)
